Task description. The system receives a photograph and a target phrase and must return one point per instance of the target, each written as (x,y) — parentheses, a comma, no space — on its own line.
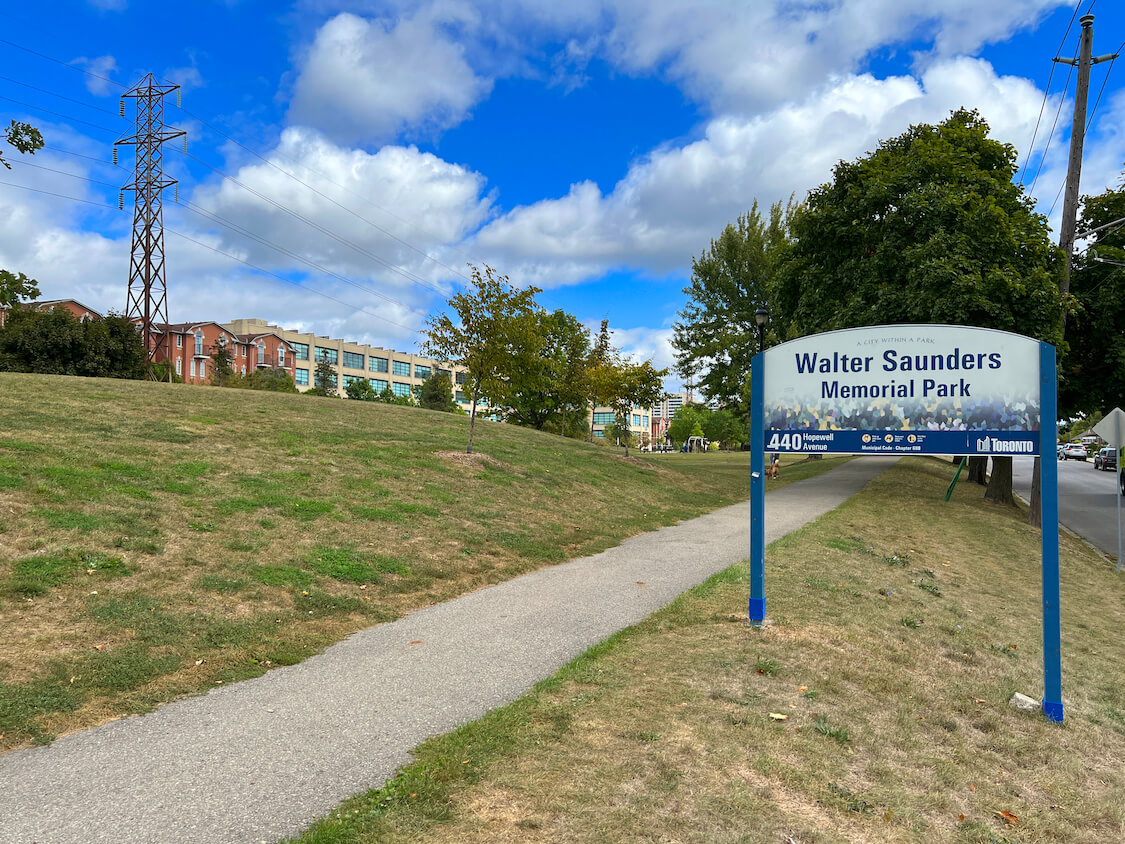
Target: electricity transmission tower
(148,294)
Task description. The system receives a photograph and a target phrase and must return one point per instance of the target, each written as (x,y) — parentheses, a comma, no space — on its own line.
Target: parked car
(1106,459)
(1074,451)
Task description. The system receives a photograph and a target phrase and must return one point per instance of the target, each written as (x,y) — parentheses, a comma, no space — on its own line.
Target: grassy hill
(873,707)
(156,540)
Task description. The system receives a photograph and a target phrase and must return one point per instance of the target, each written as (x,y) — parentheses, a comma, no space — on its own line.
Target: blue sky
(591,148)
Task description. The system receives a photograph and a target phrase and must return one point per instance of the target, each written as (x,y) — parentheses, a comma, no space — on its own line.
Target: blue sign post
(912,389)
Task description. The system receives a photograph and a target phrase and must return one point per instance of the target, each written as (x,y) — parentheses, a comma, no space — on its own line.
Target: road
(1087,499)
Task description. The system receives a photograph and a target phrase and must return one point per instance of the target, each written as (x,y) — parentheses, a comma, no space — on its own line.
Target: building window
(461,397)
(636,420)
(323,354)
(329,381)
(179,366)
(422,372)
(378,384)
(401,367)
(281,356)
(301,376)
(445,372)
(199,341)
(400,389)
(193,367)
(599,434)
(377,364)
(243,369)
(300,350)
(461,378)
(644,422)
(179,341)
(603,418)
(353,360)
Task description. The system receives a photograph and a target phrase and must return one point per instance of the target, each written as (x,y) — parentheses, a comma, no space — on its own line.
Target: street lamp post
(761,317)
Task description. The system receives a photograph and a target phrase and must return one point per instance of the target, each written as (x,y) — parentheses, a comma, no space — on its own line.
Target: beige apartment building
(384,368)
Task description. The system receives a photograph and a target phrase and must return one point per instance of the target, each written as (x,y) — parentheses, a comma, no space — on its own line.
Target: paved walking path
(260,760)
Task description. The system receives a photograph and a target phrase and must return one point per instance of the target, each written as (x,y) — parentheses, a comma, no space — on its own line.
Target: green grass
(896,731)
(151,516)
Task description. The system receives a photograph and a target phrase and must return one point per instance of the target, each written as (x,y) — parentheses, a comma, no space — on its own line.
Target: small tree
(635,385)
(324,379)
(389,396)
(221,370)
(361,390)
(436,393)
(495,328)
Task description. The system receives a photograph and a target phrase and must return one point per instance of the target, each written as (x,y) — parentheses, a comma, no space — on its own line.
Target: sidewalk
(260,760)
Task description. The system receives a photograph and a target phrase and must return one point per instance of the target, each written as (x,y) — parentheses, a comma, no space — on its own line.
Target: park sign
(903,389)
(912,389)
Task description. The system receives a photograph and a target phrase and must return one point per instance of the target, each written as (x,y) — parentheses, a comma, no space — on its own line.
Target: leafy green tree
(55,342)
(1092,371)
(436,393)
(547,387)
(685,420)
(24,137)
(717,336)
(324,379)
(221,370)
(724,426)
(113,348)
(929,228)
(494,330)
(272,380)
(639,385)
(360,389)
(389,396)
(15,288)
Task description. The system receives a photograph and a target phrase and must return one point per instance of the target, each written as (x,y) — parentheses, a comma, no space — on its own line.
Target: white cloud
(370,200)
(367,81)
(672,202)
(103,66)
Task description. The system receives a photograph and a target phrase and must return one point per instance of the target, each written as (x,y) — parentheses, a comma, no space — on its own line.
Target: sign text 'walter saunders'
(912,389)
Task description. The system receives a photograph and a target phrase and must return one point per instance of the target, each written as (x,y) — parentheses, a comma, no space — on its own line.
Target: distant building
(640,422)
(383,368)
(189,346)
(667,408)
(81,312)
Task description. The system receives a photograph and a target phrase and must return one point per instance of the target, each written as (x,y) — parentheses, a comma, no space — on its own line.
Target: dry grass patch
(893,732)
(145,527)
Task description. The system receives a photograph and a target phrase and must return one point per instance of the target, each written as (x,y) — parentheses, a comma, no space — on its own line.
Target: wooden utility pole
(1077,140)
(1070,198)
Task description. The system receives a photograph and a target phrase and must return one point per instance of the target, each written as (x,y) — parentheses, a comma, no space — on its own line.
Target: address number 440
(784,442)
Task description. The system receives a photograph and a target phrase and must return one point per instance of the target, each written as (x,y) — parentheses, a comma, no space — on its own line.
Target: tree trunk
(1000,482)
(978,470)
(472,424)
(1035,515)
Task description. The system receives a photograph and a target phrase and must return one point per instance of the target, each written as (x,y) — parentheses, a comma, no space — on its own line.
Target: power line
(355,214)
(244,232)
(58,114)
(409,276)
(1046,93)
(63,173)
(64,64)
(1054,124)
(241,230)
(1101,90)
(60,96)
(356,308)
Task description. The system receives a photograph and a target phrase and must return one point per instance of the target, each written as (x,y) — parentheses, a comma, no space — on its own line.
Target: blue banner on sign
(982,443)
